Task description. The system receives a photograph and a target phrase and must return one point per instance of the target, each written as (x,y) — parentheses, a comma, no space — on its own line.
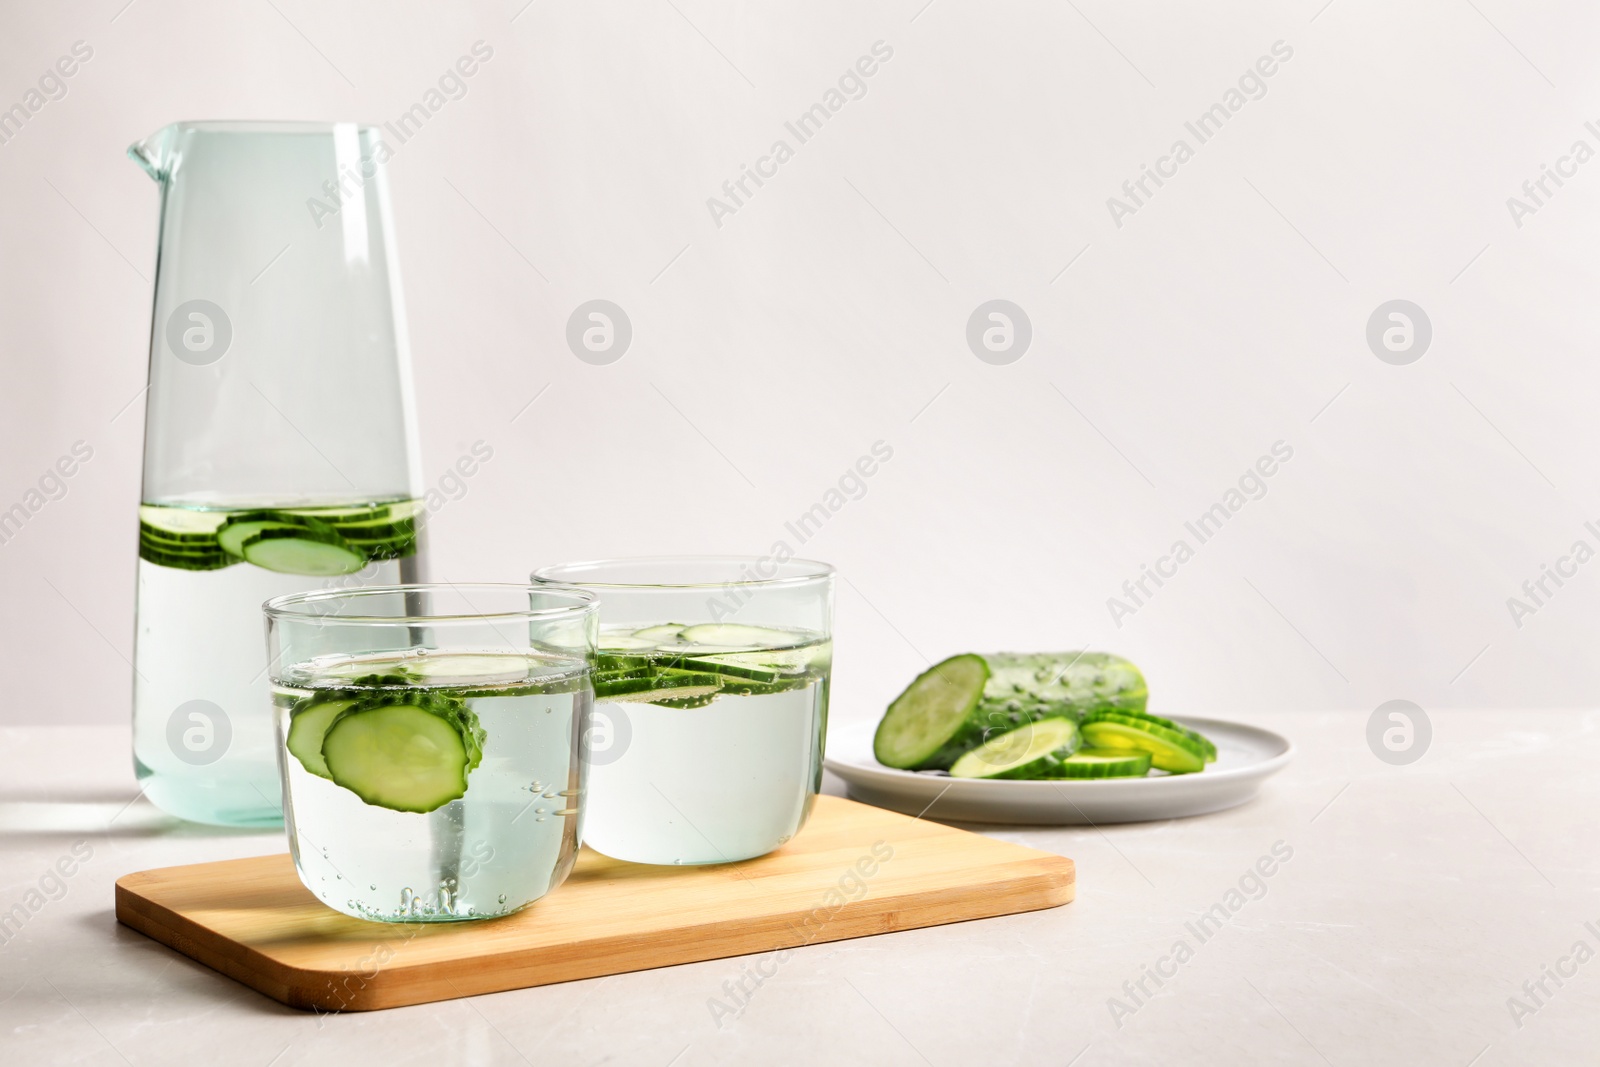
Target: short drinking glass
(428,739)
(711,689)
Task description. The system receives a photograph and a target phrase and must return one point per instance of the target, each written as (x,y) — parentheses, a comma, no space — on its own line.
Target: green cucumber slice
(918,726)
(623,643)
(186,561)
(404,751)
(241,527)
(729,670)
(686,702)
(663,633)
(339,517)
(288,550)
(1169,750)
(1034,750)
(308,724)
(658,685)
(1207,749)
(1105,763)
(382,529)
(181,523)
(733,635)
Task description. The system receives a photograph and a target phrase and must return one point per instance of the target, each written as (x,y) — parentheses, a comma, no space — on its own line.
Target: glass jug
(280,437)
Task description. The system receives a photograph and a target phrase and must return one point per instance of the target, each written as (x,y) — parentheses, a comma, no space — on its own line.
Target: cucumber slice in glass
(308,723)
(290,550)
(931,711)
(233,534)
(1033,750)
(405,752)
(664,633)
(1169,750)
(658,685)
(623,643)
(186,561)
(180,523)
(733,635)
(728,670)
(344,516)
(1105,763)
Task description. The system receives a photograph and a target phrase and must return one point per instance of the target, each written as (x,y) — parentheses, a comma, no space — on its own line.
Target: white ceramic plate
(1246,756)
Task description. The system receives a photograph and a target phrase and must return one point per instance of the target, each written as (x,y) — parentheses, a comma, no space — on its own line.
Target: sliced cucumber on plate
(1007,715)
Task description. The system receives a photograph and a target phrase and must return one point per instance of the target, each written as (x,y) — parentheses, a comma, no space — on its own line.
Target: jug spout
(153,153)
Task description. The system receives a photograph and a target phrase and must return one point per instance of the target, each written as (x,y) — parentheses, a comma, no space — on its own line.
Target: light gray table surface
(1417,903)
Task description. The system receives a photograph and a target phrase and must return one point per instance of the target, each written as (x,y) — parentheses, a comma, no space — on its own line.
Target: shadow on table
(139,970)
(103,813)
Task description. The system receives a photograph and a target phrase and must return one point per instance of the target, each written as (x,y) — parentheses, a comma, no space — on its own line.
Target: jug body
(280,439)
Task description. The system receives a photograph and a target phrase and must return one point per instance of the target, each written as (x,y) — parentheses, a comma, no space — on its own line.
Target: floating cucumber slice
(658,685)
(663,633)
(623,643)
(740,687)
(1035,750)
(187,561)
(288,550)
(737,635)
(344,516)
(1207,749)
(404,751)
(727,670)
(1169,750)
(482,669)
(181,523)
(381,529)
(1105,763)
(308,724)
(699,701)
(240,528)
(922,720)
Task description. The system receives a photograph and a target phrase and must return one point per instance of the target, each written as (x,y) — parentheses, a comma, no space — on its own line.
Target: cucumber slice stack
(675,665)
(405,749)
(1171,750)
(1008,715)
(319,542)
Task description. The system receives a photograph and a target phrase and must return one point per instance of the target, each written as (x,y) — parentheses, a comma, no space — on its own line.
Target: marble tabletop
(1441,912)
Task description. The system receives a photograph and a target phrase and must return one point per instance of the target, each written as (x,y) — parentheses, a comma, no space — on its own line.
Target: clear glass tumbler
(280,442)
(429,741)
(711,690)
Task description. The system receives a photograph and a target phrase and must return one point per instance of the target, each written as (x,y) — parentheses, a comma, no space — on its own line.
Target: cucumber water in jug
(280,437)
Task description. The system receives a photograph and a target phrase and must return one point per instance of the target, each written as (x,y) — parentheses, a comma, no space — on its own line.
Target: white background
(768,354)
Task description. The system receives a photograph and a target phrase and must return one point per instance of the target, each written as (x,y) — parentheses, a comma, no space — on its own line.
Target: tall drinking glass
(429,738)
(711,691)
(280,444)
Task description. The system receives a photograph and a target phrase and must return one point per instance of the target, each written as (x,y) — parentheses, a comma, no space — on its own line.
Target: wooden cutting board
(855,870)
